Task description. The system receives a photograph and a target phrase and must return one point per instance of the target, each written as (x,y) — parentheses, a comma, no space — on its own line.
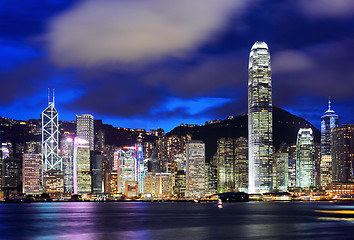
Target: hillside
(285,128)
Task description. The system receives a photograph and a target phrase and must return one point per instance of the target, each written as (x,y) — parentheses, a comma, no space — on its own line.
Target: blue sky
(149,64)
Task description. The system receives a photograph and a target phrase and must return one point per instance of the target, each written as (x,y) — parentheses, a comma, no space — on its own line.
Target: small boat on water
(220,204)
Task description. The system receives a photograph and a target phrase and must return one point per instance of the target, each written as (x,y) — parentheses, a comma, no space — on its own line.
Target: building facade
(81,167)
(329,121)
(31,173)
(305,158)
(343,153)
(195,168)
(67,155)
(260,123)
(85,129)
(226,165)
(241,164)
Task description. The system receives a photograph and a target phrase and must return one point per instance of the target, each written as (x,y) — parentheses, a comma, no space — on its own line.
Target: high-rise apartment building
(31,173)
(195,169)
(260,123)
(305,158)
(343,153)
(85,129)
(329,121)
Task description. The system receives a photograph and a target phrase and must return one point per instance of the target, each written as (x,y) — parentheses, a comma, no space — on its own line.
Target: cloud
(327,8)
(290,60)
(99,32)
(192,106)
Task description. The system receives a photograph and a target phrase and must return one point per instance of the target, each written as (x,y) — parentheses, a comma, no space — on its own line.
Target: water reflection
(135,220)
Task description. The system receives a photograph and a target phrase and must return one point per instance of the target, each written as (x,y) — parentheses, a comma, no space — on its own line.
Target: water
(134,220)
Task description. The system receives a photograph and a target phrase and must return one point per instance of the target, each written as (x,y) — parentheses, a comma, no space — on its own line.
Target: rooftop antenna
(53,96)
(48,96)
(329,104)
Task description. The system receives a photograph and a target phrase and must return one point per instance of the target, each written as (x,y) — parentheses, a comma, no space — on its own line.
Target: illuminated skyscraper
(343,153)
(281,171)
(52,162)
(31,173)
(67,154)
(195,169)
(140,170)
(329,121)
(50,135)
(125,165)
(81,168)
(260,125)
(226,165)
(241,164)
(305,158)
(85,129)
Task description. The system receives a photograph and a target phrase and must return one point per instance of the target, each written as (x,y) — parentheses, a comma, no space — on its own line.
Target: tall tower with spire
(52,162)
(329,121)
(260,122)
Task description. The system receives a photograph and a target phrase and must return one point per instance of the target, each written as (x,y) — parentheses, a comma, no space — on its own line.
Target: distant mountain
(285,128)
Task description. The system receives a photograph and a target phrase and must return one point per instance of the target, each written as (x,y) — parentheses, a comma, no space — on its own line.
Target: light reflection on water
(134,220)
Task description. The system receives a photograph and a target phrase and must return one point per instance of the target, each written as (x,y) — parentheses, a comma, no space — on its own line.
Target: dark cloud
(311,53)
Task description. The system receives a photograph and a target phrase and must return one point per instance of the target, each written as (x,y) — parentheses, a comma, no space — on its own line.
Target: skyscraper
(52,162)
(305,158)
(260,125)
(343,153)
(81,167)
(31,173)
(67,154)
(329,121)
(50,138)
(241,164)
(226,165)
(195,169)
(85,129)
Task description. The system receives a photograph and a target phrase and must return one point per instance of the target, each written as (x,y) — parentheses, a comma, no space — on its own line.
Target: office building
(96,172)
(67,155)
(343,154)
(163,185)
(305,158)
(260,123)
(329,121)
(195,169)
(226,165)
(31,173)
(241,164)
(125,165)
(85,129)
(81,167)
(281,171)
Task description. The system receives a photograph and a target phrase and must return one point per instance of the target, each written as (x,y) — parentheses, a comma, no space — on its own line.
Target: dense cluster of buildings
(67,163)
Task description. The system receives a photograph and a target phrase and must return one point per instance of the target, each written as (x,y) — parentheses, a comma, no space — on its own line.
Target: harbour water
(135,220)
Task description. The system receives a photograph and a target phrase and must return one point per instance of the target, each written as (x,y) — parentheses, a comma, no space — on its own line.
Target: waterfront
(134,220)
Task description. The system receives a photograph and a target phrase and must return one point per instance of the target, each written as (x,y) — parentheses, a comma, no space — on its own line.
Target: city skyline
(185,68)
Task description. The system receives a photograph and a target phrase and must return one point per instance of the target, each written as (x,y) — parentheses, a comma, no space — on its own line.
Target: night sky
(157,63)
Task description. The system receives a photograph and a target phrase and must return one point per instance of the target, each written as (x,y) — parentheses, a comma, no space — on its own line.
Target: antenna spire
(53,96)
(48,96)
(329,103)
